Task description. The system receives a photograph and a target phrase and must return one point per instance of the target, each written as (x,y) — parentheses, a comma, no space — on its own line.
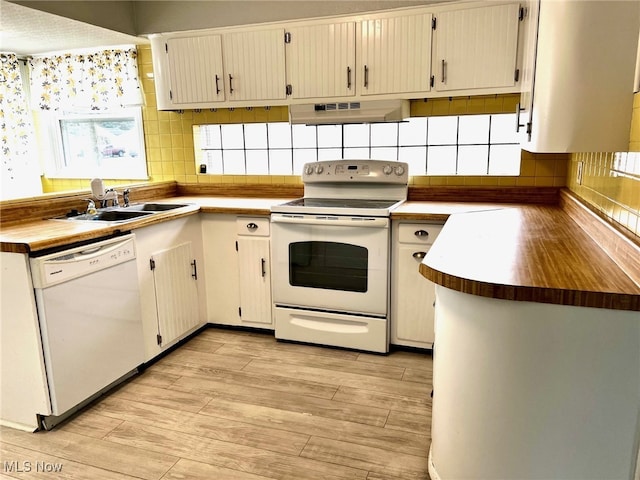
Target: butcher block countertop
(43,234)
(439,211)
(542,253)
(534,253)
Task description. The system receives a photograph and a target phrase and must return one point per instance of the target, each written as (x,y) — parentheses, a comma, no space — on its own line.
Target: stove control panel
(355,171)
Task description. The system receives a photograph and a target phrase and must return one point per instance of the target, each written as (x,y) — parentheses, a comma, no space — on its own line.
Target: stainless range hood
(371,111)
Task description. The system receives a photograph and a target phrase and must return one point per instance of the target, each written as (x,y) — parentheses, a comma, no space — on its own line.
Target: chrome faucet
(91,207)
(110,194)
(125,197)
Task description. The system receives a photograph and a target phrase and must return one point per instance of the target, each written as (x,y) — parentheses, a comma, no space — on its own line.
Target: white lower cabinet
(238,269)
(174,280)
(24,391)
(169,257)
(412,295)
(254,265)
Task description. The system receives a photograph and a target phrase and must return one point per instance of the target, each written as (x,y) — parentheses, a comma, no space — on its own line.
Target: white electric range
(331,253)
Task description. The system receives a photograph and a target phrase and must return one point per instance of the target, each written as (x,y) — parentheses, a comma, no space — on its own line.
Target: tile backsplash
(610,182)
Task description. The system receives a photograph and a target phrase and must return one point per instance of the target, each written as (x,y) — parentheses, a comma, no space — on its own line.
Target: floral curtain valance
(97,81)
(19,169)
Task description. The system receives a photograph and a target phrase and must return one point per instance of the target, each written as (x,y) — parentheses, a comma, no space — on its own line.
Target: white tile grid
(431,146)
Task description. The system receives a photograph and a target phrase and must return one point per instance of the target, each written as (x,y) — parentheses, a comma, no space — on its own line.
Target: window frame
(58,166)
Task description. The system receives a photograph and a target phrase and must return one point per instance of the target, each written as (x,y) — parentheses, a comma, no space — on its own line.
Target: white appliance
(330,254)
(90,320)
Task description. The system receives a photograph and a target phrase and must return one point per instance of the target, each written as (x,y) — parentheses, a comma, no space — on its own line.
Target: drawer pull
(421,233)
(252,226)
(419,255)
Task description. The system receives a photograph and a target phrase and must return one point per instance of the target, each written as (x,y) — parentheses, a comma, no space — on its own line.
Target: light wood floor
(236,405)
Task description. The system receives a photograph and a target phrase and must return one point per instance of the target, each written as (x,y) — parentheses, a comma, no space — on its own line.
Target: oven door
(331,263)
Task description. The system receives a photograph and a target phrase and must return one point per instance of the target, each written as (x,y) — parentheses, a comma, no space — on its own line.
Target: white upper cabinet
(321,60)
(476,48)
(195,69)
(394,54)
(254,65)
(441,50)
(211,70)
(580,97)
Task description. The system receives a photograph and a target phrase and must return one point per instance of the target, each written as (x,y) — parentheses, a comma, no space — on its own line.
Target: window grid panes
(107,144)
(454,145)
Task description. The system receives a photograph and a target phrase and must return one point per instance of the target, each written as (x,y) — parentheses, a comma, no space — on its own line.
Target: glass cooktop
(352,203)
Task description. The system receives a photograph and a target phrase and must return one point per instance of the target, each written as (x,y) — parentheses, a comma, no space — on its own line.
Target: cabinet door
(584,66)
(255,280)
(195,69)
(476,48)
(321,60)
(254,65)
(415,297)
(176,292)
(221,268)
(395,54)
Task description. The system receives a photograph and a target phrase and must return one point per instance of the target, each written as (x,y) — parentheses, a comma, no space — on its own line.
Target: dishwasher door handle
(95,251)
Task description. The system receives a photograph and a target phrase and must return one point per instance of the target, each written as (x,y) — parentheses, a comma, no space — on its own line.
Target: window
(454,145)
(90,116)
(97,144)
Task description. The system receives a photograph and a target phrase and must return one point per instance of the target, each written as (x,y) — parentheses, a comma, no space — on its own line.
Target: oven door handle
(329,221)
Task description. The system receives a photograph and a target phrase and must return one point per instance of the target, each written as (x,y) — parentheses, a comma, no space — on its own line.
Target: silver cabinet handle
(366,77)
(443,70)
(419,255)
(231,83)
(421,233)
(252,226)
(217,87)
(262,266)
(349,78)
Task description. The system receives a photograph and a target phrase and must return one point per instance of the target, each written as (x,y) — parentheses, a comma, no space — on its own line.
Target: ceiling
(26,31)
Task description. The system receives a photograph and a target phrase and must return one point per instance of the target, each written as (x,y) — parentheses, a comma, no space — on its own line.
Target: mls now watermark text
(15,466)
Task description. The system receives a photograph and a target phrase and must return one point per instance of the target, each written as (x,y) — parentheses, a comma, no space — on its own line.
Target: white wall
(142,17)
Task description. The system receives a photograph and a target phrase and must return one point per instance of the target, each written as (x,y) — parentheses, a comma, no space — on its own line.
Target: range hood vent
(373,111)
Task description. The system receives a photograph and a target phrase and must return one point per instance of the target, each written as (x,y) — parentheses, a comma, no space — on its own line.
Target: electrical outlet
(579,175)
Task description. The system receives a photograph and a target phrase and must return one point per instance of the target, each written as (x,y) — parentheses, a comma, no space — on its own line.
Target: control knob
(387,170)
(319,169)
(308,170)
(399,170)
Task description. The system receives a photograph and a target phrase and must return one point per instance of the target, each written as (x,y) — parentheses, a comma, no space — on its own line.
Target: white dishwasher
(90,320)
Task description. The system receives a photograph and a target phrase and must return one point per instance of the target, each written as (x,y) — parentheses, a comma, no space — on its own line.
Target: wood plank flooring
(242,406)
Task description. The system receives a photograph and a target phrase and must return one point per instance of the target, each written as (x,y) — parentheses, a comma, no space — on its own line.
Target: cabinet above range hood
(372,111)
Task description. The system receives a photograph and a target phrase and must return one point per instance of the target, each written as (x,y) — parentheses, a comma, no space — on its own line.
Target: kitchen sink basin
(154,207)
(123,214)
(110,216)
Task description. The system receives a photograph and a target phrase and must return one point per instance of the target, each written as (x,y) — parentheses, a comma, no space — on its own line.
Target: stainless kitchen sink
(109,216)
(153,207)
(124,214)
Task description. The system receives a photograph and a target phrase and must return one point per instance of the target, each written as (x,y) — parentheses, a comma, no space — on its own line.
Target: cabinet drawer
(418,233)
(254,226)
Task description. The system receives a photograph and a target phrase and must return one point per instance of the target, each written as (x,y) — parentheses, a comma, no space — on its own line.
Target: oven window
(328,265)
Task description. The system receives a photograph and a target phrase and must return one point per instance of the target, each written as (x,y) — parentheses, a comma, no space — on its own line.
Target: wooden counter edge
(235,210)
(429,217)
(100,231)
(519,293)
